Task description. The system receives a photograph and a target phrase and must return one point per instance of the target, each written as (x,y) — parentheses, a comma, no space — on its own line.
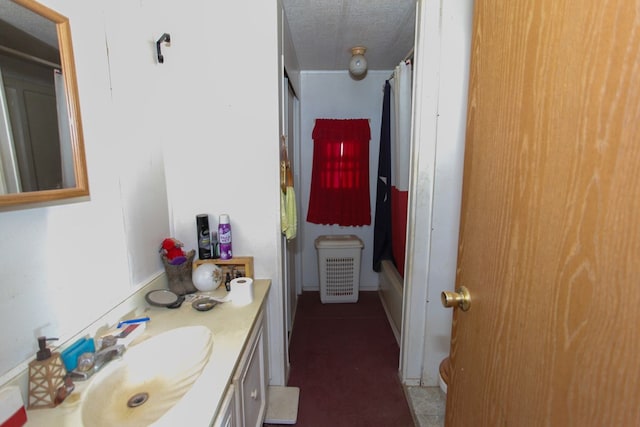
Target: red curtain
(340,175)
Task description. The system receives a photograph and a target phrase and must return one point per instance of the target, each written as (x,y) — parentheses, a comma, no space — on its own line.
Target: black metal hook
(165,38)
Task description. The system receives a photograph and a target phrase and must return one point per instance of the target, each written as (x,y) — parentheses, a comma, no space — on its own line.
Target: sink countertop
(231,327)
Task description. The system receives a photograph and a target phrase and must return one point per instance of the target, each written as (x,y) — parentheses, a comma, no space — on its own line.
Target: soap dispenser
(46,376)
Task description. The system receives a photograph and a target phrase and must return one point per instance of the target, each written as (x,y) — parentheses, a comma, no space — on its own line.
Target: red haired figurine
(172,249)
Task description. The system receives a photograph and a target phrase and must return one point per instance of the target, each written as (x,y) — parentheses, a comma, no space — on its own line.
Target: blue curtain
(382,225)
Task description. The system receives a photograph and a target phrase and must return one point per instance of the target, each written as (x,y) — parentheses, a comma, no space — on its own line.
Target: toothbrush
(133,321)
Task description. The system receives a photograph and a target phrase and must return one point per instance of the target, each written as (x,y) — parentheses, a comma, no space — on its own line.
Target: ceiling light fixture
(358,63)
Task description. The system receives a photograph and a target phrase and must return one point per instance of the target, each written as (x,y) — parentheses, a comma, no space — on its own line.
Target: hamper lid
(338,241)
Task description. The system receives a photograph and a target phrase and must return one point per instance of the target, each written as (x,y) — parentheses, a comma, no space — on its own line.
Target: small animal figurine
(172,249)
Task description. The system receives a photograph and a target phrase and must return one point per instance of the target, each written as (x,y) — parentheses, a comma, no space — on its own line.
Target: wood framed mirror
(42,157)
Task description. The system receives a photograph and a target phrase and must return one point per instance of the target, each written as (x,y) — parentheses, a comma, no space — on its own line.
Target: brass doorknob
(460,298)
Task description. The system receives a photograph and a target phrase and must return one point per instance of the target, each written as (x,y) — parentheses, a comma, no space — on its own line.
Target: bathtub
(390,292)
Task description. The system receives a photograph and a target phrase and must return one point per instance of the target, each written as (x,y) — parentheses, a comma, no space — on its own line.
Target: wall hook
(165,38)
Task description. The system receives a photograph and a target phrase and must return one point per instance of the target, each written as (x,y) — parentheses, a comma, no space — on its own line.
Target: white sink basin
(150,379)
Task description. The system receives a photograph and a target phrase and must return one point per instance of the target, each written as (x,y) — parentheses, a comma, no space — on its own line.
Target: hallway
(344,358)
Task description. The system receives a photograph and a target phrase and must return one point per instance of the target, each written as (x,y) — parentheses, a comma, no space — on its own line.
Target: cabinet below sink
(245,401)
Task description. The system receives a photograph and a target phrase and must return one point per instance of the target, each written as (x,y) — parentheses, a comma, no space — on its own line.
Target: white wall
(335,95)
(222,136)
(65,265)
(441,79)
(447,192)
(197,134)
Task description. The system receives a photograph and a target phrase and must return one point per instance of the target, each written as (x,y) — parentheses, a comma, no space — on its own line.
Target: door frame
(435,187)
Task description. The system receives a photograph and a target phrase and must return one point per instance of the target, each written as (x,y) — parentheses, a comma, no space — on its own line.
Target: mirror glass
(41,144)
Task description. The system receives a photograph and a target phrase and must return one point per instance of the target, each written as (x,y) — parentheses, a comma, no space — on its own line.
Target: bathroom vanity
(231,390)
(245,401)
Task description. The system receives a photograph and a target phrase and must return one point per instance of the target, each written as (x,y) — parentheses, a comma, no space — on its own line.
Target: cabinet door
(227,415)
(252,385)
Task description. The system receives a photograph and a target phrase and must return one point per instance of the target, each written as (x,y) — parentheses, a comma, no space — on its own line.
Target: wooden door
(550,225)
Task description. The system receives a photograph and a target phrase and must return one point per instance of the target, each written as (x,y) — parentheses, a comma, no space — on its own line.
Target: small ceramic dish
(204,304)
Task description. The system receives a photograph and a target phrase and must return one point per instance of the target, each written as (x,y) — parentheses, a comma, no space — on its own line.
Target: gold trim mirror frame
(67,63)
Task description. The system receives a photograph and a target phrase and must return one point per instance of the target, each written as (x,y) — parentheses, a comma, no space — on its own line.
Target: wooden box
(238,266)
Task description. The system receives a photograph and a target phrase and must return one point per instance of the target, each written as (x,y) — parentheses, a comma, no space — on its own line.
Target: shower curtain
(393,170)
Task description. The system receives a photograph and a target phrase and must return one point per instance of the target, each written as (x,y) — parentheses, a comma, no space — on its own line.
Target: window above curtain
(340,175)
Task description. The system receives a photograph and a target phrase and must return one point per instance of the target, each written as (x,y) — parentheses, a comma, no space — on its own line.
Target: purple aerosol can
(224,237)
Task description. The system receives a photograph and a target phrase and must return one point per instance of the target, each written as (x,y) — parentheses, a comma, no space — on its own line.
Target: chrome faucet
(106,355)
(90,363)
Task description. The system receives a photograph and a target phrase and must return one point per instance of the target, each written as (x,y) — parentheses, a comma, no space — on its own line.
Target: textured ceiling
(324,31)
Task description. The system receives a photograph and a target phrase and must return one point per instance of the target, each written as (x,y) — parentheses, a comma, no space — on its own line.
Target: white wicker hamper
(339,267)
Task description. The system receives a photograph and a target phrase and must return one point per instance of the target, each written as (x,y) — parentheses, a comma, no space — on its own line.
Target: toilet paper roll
(241,291)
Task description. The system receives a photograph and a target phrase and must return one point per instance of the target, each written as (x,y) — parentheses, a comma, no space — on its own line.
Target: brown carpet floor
(344,358)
